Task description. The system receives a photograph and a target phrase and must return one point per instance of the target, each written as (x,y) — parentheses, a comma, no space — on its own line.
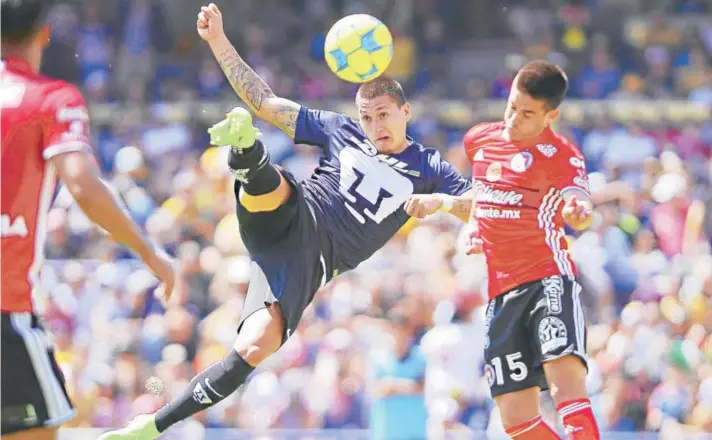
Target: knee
(261,335)
(566,390)
(266,202)
(567,379)
(518,407)
(254,354)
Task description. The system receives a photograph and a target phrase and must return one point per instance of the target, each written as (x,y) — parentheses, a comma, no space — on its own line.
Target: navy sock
(209,387)
(253,169)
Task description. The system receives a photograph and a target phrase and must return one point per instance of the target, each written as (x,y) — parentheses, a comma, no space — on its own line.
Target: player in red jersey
(45,135)
(528,182)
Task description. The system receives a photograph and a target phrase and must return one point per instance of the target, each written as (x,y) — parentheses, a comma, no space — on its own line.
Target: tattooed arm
(253,90)
(247,84)
(462,206)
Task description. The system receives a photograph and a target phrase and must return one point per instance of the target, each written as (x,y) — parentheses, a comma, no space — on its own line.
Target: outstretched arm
(423,205)
(452,193)
(247,84)
(81,177)
(462,205)
(65,147)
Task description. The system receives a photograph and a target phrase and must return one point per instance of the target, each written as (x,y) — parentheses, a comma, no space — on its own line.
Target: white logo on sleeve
(577,163)
(67,114)
(200,396)
(582,180)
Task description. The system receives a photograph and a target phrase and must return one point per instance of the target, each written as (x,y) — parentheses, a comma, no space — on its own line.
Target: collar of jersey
(16,64)
(543,137)
(406,149)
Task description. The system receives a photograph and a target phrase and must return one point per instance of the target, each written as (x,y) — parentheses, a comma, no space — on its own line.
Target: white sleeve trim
(574,188)
(65,147)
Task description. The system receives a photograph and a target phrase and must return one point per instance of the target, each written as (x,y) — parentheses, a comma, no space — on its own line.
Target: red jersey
(41,118)
(518,203)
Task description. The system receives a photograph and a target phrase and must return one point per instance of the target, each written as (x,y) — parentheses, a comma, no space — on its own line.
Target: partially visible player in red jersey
(528,182)
(45,135)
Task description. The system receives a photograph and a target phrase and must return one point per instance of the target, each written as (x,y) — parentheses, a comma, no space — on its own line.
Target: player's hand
(164,268)
(423,205)
(210,23)
(577,214)
(473,241)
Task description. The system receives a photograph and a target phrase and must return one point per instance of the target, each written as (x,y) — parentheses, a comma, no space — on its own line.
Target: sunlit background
(640,108)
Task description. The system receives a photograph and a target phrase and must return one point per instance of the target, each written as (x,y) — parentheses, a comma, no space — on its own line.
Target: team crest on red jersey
(521,161)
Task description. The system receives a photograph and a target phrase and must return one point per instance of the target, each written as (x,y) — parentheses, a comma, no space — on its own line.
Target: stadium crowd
(646,264)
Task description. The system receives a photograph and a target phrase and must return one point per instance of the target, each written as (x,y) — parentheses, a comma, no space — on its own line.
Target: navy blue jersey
(356,194)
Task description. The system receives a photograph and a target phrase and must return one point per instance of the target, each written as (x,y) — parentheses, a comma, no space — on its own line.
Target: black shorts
(33,392)
(535,323)
(287,263)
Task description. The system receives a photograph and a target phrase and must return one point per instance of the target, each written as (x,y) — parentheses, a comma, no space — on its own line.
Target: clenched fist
(578,214)
(473,240)
(210,23)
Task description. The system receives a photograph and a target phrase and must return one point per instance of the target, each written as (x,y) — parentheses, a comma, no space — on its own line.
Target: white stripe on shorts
(579,320)
(37,344)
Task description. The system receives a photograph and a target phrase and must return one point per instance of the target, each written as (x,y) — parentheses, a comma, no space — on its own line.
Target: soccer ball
(358,48)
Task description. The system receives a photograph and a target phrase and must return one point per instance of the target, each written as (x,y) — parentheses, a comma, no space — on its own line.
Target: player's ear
(553,115)
(406,111)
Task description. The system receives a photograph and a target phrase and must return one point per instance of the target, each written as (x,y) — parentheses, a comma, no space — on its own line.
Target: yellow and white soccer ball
(358,48)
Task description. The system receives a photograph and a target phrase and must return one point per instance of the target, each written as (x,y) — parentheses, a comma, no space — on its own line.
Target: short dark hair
(21,19)
(543,81)
(382,86)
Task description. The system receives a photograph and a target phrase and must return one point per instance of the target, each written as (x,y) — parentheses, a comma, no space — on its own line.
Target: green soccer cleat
(235,130)
(142,427)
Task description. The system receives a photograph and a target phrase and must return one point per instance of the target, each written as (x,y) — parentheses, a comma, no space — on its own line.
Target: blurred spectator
(669,217)
(645,264)
(404,56)
(397,389)
(670,399)
(141,28)
(626,151)
(619,265)
(600,79)
(455,392)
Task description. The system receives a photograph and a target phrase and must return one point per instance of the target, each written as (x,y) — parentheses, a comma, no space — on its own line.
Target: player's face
(384,122)
(526,117)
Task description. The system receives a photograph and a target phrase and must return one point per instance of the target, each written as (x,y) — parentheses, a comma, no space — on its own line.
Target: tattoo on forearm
(248,85)
(257,94)
(286,117)
(461,207)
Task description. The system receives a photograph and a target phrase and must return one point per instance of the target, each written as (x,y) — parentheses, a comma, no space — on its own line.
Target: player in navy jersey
(371,178)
